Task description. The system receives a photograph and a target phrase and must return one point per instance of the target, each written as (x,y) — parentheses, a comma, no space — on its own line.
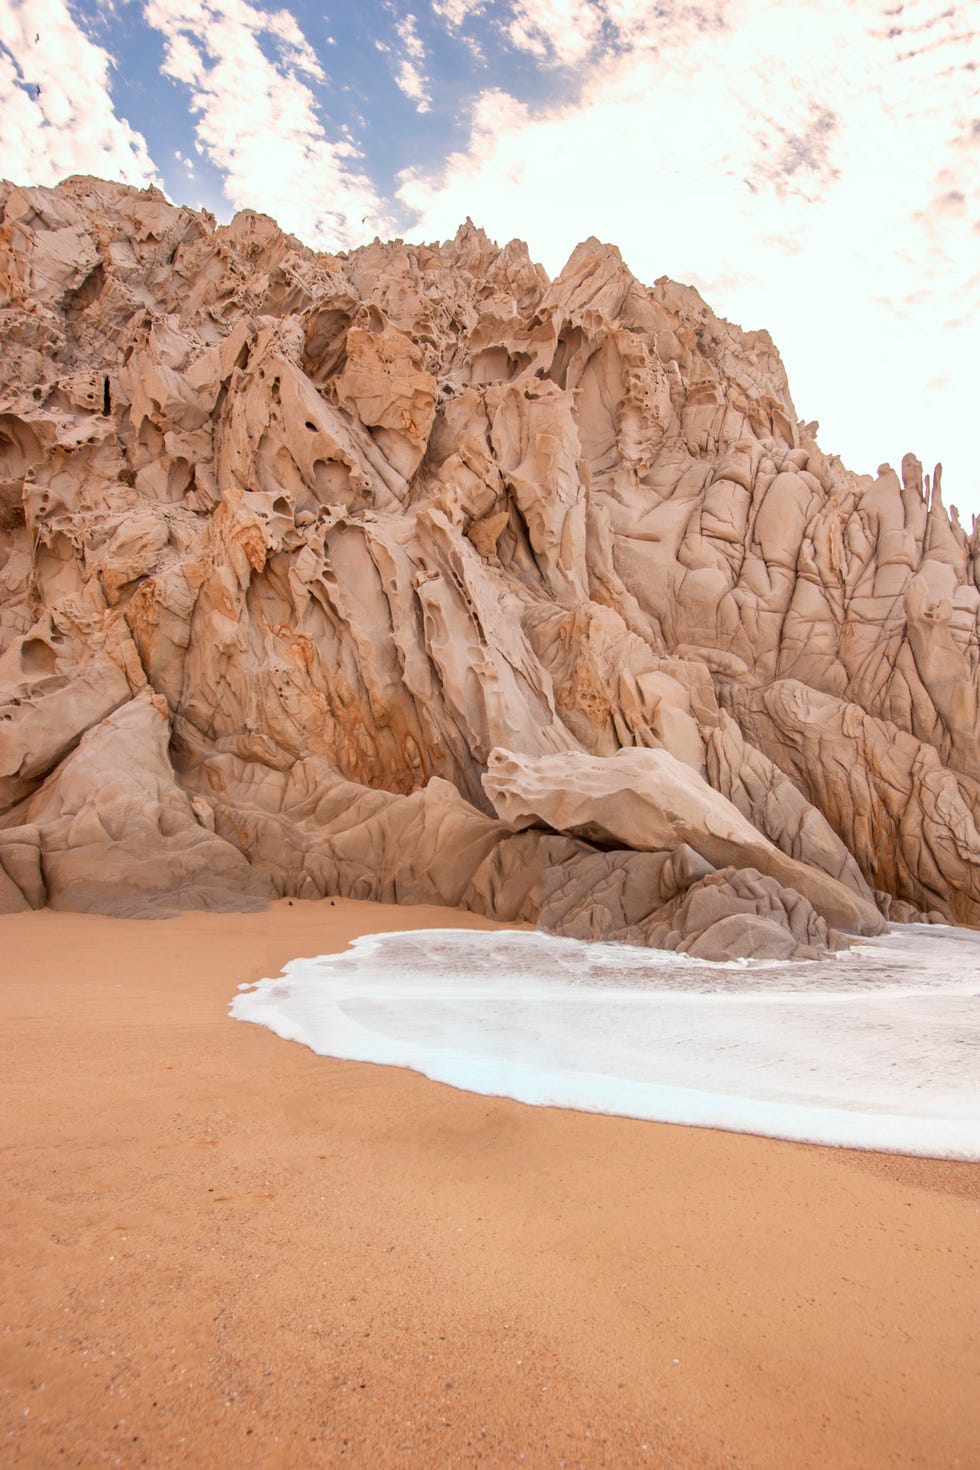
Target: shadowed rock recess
(413,575)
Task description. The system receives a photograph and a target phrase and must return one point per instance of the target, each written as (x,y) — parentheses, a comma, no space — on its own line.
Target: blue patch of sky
(22,77)
(359,98)
(152,103)
(387,125)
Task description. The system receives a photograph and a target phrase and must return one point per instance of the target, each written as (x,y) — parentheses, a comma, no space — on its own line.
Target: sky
(811,166)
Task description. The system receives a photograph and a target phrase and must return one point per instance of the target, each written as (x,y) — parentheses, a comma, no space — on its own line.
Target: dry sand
(221,1250)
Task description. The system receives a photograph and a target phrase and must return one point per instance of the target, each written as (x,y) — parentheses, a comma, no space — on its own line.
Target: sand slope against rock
(413,575)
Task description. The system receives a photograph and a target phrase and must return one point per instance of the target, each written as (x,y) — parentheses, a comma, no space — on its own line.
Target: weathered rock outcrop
(649,801)
(412,574)
(111,831)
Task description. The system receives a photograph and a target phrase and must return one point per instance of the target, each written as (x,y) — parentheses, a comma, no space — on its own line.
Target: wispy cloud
(56,111)
(409,57)
(456,12)
(566,32)
(251,73)
(563,31)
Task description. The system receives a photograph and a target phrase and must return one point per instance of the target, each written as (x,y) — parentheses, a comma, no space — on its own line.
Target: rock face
(412,574)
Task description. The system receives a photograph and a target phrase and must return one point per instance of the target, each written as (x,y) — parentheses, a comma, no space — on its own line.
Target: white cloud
(457,12)
(565,30)
(411,81)
(409,74)
(407,29)
(56,113)
(669,24)
(809,171)
(183,61)
(257,119)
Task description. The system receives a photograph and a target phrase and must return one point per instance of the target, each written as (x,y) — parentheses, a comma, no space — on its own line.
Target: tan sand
(219,1249)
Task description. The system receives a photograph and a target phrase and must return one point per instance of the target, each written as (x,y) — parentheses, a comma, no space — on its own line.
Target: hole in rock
(12,516)
(37,657)
(90,289)
(331,481)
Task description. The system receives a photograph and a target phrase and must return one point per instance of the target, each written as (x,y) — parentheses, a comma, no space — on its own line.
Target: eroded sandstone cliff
(412,574)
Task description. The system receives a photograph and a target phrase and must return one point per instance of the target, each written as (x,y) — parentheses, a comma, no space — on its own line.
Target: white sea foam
(878,1049)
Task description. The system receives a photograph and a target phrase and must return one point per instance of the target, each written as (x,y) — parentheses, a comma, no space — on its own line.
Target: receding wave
(877,1049)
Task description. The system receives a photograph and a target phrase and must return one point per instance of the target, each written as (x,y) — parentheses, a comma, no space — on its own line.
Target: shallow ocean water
(877,1048)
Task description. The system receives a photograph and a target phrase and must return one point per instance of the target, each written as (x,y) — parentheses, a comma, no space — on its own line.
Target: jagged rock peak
(411,573)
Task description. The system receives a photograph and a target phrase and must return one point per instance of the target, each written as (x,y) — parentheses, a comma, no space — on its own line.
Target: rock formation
(412,574)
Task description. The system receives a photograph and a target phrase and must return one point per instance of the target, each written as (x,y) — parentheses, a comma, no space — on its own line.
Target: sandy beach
(219,1249)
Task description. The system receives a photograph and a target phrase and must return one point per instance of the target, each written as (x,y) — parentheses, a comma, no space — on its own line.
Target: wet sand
(217,1249)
